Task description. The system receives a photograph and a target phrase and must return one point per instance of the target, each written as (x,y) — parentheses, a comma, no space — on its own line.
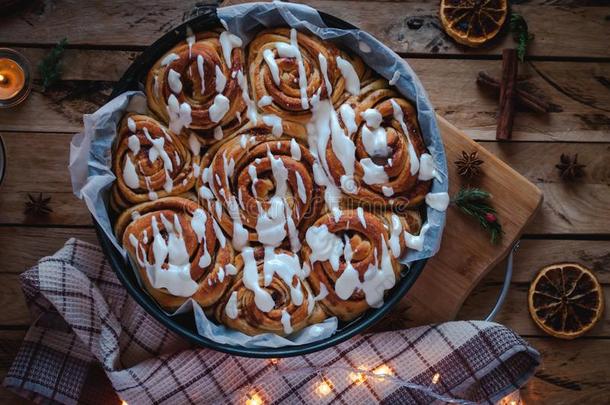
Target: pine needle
(521,35)
(475,202)
(50,67)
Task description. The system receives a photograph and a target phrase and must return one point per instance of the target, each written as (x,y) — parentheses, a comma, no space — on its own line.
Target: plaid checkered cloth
(91,343)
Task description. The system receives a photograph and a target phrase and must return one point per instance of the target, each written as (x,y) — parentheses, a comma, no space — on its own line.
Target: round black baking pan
(184,324)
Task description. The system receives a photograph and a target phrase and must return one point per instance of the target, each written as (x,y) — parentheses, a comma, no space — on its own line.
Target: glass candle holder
(2,160)
(15,78)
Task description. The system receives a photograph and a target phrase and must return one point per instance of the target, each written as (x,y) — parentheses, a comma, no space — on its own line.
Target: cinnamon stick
(525,98)
(507,94)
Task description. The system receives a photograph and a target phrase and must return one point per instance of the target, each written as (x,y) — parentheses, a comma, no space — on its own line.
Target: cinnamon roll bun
(288,68)
(354,259)
(179,251)
(375,149)
(149,162)
(197,85)
(263,186)
(269,294)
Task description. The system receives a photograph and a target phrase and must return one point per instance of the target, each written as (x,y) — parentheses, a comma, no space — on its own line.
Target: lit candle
(14,78)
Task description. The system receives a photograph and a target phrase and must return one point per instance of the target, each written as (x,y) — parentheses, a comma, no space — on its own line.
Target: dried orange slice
(473,22)
(565,300)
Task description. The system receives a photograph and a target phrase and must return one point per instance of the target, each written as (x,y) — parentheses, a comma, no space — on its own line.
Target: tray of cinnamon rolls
(276,183)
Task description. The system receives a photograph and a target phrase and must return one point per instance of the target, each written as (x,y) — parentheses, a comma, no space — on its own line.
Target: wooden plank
(568,207)
(572,210)
(57,110)
(572,372)
(533,255)
(579,207)
(85,64)
(578,92)
(14,309)
(537,161)
(139,23)
(37,163)
(22,247)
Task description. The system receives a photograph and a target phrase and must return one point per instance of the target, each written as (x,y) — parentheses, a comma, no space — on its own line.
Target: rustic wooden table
(569,63)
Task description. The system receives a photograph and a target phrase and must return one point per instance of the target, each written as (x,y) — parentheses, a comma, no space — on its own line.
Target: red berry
(489,217)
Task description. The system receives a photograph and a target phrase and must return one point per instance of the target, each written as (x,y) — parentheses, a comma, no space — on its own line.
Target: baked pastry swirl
(179,251)
(198,85)
(354,259)
(387,147)
(301,209)
(263,185)
(287,68)
(270,294)
(150,162)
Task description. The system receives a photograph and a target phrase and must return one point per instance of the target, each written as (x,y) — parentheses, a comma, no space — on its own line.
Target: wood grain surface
(466,254)
(569,66)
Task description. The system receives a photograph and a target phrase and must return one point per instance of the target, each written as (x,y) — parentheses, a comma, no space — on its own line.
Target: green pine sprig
(50,67)
(475,202)
(521,35)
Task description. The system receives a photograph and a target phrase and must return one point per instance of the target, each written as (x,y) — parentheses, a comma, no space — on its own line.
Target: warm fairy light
(254,399)
(435,378)
(514,398)
(274,361)
(383,371)
(357,378)
(325,387)
(123,402)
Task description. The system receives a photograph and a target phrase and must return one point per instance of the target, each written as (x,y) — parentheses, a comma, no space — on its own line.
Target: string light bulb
(435,378)
(514,398)
(383,371)
(274,361)
(254,399)
(325,387)
(357,378)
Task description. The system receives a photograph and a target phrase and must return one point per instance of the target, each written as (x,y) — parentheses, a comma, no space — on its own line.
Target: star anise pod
(569,168)
(469,165)
(37,205)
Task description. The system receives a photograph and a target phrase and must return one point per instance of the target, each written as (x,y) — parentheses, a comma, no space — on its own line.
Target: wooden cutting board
(466,254)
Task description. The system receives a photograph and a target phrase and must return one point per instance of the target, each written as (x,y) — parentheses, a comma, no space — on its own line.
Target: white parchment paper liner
(90,151)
